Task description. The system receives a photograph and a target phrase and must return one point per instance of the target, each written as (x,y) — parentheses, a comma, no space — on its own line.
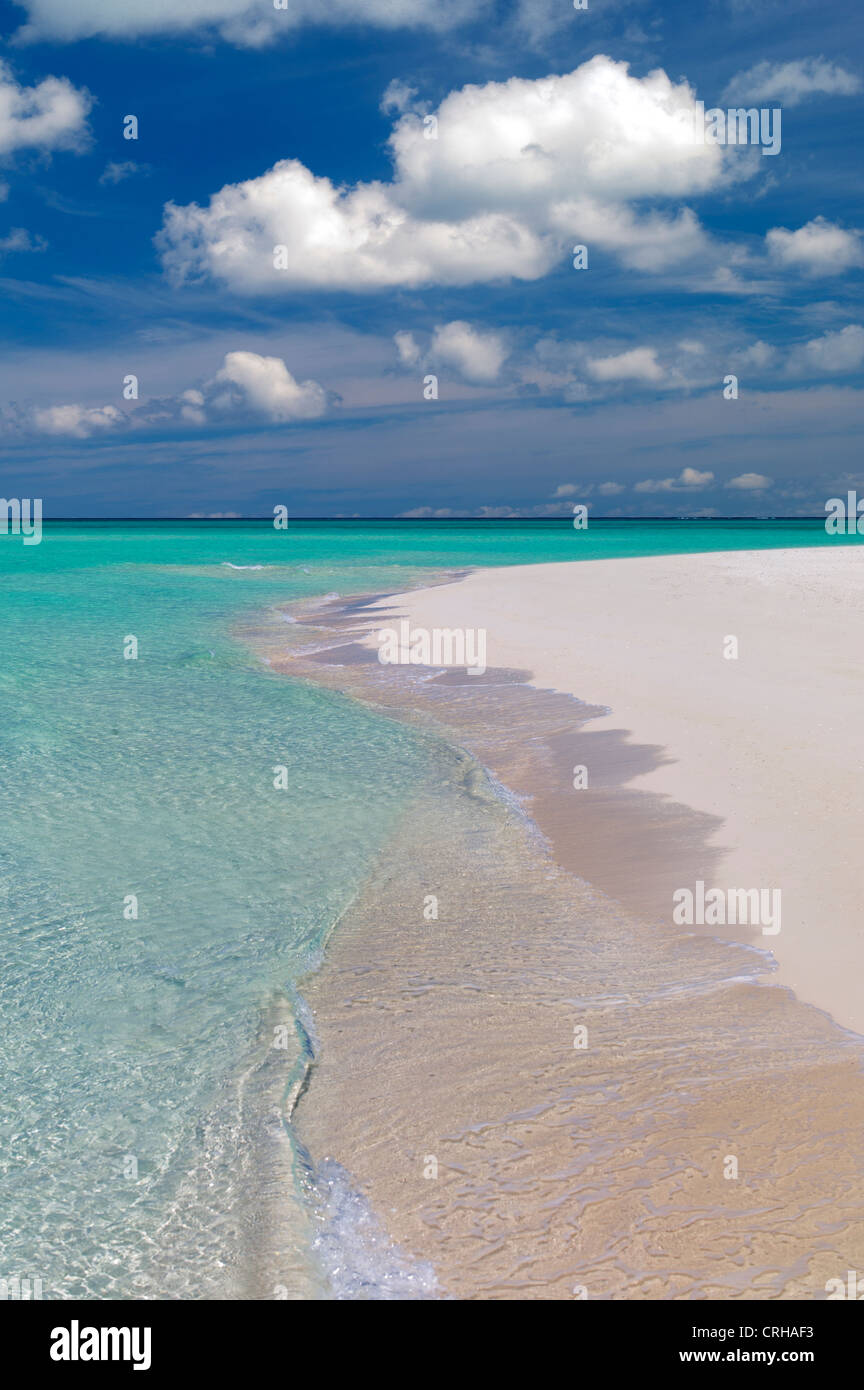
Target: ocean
(182,830)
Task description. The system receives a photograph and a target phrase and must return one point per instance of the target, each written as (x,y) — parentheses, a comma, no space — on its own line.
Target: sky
(323,256)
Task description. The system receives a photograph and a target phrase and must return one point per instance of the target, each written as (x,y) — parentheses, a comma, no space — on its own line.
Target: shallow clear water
(145,1058)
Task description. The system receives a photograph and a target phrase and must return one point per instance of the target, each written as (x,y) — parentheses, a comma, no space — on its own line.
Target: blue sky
(406,257)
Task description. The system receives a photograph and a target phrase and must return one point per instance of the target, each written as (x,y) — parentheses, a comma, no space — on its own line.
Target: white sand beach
(770,743)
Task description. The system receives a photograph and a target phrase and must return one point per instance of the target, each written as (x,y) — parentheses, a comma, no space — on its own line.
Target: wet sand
(700,1137)
(769,746)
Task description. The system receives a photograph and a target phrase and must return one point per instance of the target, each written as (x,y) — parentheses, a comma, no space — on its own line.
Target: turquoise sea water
(128,1042)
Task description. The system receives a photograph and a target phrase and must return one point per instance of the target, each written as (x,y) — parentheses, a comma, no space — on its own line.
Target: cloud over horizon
(246,386)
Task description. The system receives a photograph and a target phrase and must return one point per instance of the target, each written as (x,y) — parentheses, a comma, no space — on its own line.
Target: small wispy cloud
(116,172)
(791,83)
(19,239)
(689,479)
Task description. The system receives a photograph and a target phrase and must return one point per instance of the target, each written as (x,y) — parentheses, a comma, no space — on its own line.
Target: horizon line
(436,519)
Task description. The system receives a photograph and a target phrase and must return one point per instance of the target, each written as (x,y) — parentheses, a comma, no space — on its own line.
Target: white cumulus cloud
(337,238)
(266,386)
(246,385)
(639,364)
(818,248)
(838,351)
(520,171)
(78,421)
(476,355)
(50,115)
